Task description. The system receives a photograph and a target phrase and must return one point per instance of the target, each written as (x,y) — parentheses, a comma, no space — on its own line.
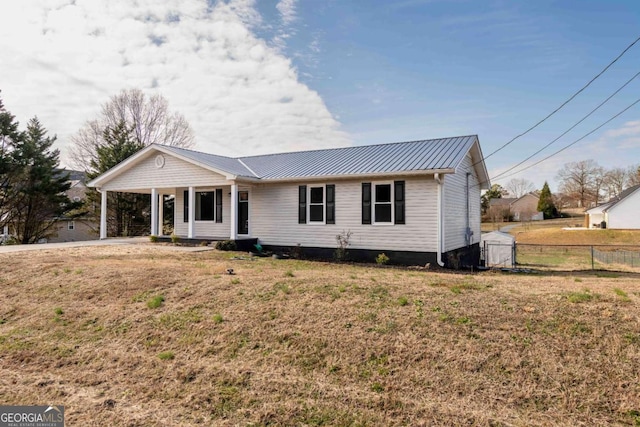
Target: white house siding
(274,217)
(455,206)
(203,228)
(624,214)
(174,173)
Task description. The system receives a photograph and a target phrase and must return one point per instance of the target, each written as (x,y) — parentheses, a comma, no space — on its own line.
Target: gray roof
(424,155)
(625,193)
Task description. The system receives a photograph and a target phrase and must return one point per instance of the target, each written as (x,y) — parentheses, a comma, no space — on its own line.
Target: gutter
(437,178)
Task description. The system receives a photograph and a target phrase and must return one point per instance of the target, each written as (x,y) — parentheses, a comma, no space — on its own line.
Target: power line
(570,129)
(574,142)
(562,105)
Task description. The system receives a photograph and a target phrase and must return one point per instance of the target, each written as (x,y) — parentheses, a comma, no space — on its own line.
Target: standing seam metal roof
(433,154)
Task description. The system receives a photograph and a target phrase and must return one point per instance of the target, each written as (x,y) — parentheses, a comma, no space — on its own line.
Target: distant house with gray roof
(621,212)
(418,202)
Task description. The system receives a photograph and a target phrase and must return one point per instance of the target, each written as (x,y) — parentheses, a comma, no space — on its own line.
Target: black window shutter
(186,206)
(302,204)
(331,204)
(219,205)
(366,203)
(399,201)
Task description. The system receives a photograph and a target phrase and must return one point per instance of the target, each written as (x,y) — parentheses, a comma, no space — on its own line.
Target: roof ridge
(354,146)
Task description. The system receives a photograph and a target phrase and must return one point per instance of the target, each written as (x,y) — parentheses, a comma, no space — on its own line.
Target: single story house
(418,202)
(621,212)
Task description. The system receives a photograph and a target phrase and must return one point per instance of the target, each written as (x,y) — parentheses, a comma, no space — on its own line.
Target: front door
(243,212)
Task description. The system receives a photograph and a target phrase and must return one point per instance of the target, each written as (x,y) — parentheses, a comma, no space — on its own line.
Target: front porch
(201,213)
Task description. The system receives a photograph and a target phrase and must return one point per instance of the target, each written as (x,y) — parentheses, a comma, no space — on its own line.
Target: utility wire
(561,106)
(574,142)
(568,130)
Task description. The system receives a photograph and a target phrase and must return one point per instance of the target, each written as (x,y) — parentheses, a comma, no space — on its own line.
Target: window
(383,203)
(71,225)
(206,205)
(317,204)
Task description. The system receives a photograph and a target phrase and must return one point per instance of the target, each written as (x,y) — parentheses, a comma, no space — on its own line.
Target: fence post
(592,264)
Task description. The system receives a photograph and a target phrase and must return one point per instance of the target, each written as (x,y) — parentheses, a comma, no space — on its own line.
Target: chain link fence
(578,257)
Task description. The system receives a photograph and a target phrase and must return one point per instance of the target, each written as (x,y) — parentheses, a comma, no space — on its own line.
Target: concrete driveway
(5,249)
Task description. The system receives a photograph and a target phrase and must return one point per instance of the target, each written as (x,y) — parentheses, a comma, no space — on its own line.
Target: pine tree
(545,203)
(9,134)
(41,198)
(126,211)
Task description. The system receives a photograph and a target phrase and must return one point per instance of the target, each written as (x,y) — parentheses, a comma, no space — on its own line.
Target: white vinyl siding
(280,226)
(624,214)
(174,173)
(455,207)
(203,229)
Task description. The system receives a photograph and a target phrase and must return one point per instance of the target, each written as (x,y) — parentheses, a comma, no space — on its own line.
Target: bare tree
(582,180)
(518,187)
(149,119)
(633,175)
(615,180)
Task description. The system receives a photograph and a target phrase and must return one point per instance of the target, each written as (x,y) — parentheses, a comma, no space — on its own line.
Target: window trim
(324,204)
(374,203)
(185,205)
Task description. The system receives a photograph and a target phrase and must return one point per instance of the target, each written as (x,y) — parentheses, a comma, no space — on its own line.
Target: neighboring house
(620,212)
(523,208)
(418,202)
(78,228)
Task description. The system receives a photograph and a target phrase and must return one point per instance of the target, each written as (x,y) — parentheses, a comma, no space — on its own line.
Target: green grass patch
(166,355)
(578,297)
(156,301)
(622,294)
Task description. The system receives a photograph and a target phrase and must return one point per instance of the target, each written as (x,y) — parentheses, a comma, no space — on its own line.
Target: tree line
(585,183)
(32,185)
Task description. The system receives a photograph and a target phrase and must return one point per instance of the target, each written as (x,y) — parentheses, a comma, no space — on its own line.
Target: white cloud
(62,59)
(287,9)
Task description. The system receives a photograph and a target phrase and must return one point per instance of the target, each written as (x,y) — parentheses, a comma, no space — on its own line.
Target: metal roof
(425,155)
(395,157)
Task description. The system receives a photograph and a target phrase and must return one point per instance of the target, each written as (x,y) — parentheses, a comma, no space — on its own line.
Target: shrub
(226,245)
(153,238)
(217,318)
(382,259)
(344,241)
(175,239)
(296,252)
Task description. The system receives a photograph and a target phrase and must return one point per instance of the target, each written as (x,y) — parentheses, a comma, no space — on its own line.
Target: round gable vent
(159,161)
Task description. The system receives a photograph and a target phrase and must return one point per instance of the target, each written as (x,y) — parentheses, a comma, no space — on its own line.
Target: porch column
(192,212)
(103,215)
(161,215)
(154,212)
(233,235)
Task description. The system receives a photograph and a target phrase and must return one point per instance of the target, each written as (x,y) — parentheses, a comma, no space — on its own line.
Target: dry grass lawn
(143,336)
(558,236)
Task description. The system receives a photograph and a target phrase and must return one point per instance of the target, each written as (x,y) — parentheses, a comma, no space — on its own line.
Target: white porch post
(154,212)
(233,235)
(192,212)
(103,215)
(161,215)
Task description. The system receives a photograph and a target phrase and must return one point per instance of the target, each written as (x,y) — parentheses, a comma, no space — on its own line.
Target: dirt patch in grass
(285,342)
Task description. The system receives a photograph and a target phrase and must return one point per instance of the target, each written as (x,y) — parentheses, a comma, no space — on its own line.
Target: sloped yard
(136,336)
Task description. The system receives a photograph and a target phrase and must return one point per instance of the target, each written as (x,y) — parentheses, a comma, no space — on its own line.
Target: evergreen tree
(127,212)
(41,198)
(9,175)
(545,203)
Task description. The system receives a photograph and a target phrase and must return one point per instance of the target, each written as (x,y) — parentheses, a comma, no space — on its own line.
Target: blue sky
(269,76)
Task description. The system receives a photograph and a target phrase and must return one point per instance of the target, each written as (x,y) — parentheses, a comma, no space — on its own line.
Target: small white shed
(498,249)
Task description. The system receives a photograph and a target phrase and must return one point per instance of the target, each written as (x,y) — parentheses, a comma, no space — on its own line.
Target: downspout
(467,232)
(436,177)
